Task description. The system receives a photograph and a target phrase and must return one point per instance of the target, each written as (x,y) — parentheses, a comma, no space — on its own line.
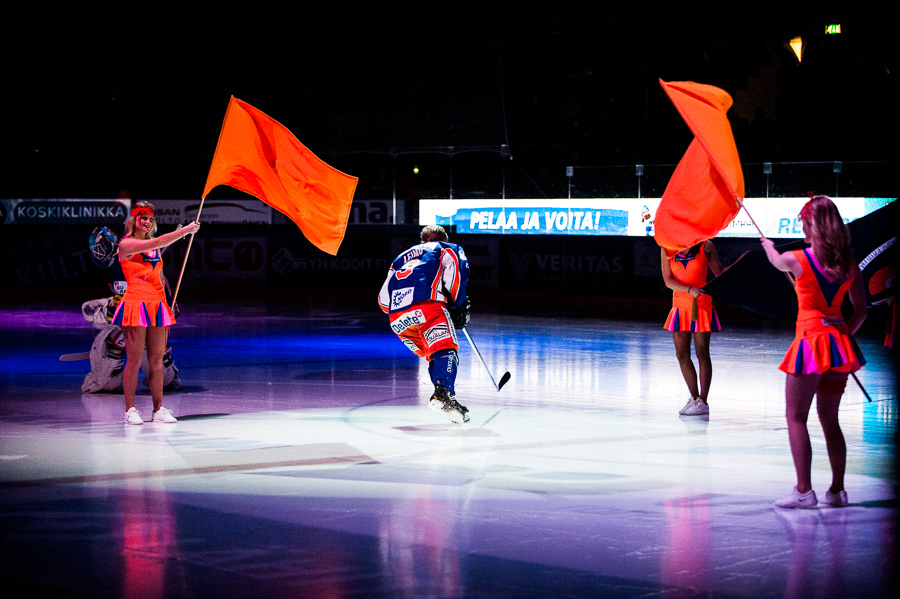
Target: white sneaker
(838,499)
(687,406)
(163,415)
(797,499)
(132,416)
(698,408)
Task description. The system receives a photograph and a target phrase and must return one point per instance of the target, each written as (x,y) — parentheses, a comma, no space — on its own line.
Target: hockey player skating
(425,297)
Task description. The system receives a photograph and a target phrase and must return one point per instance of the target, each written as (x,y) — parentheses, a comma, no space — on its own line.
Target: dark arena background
(305,461)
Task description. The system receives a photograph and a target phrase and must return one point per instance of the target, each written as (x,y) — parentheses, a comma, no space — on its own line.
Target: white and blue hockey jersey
(437,270)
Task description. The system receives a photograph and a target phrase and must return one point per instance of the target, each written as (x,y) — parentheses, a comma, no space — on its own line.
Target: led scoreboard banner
(777,217)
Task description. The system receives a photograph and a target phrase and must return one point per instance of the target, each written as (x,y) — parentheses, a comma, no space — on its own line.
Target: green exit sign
(836,28)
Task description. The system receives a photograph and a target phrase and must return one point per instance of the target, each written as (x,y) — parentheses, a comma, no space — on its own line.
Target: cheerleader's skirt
(679,319)
(822,344)
(134,313)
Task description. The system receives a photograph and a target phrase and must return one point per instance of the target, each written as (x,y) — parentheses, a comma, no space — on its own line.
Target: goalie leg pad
(106,365)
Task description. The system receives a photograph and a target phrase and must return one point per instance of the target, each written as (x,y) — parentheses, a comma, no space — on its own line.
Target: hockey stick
(503,379)
(75,357)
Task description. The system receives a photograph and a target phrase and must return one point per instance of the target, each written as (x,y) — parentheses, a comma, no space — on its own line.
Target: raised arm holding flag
(823,353)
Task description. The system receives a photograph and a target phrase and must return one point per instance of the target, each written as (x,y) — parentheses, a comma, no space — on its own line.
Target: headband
(139,210)
(805,210)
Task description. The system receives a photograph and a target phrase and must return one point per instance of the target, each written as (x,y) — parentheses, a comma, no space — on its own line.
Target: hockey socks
(442,368)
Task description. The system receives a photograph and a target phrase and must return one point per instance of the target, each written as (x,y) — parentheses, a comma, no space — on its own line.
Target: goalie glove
(459,314)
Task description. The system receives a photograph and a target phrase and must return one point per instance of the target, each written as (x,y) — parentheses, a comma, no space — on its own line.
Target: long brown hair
(828,235)
(129,224)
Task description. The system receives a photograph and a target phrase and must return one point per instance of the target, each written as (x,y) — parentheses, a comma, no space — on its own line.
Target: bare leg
(827,406)
(156,347)
(701,348)
(798,394)
(135,340)
(682,341)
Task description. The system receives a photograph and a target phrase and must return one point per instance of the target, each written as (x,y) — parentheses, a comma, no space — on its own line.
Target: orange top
(822,341)
(817,295)
(690,270)
(143,277)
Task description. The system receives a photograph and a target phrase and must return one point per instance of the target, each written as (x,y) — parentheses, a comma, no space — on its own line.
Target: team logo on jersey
(437,333)
(408,319)
(400,298)
(684,260)
(151,257)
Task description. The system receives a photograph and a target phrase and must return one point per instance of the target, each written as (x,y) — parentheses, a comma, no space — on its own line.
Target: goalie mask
(103,244)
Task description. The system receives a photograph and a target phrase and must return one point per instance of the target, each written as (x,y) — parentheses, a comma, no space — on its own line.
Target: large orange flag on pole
(258,155)
(706,189)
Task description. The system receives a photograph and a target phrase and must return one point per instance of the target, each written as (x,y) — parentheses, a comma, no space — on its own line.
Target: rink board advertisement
(253,211)
(278,256)
(238,212)
(632,217)
(113,213)
(64,211)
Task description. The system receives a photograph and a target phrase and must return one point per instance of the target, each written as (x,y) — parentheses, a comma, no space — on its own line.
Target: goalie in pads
(425,297)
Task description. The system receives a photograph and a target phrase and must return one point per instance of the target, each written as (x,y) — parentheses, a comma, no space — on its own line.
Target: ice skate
(443,401)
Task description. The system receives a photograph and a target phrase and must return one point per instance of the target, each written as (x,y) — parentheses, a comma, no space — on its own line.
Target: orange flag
(258,155)
(701,197)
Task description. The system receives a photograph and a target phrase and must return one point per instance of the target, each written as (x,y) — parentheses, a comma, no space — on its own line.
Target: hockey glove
(460,314)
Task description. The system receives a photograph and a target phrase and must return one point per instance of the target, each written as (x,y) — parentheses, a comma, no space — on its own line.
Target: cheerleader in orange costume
(143,313)
(692,316)
(822,354)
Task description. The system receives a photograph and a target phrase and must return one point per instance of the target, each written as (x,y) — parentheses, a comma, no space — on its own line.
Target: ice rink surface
(306,463)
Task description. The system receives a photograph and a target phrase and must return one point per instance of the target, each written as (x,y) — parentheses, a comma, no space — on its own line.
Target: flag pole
(861,388)
(202,199)
(741,204)
(762,236)
(186,254)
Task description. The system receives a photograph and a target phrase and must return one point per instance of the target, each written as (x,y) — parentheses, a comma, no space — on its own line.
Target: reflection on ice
(306,463)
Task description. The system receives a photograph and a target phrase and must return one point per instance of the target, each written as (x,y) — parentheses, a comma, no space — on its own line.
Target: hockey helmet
(103,244)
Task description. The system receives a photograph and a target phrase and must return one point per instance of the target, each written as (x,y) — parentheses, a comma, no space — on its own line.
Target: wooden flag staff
(741,204)
(694,308)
